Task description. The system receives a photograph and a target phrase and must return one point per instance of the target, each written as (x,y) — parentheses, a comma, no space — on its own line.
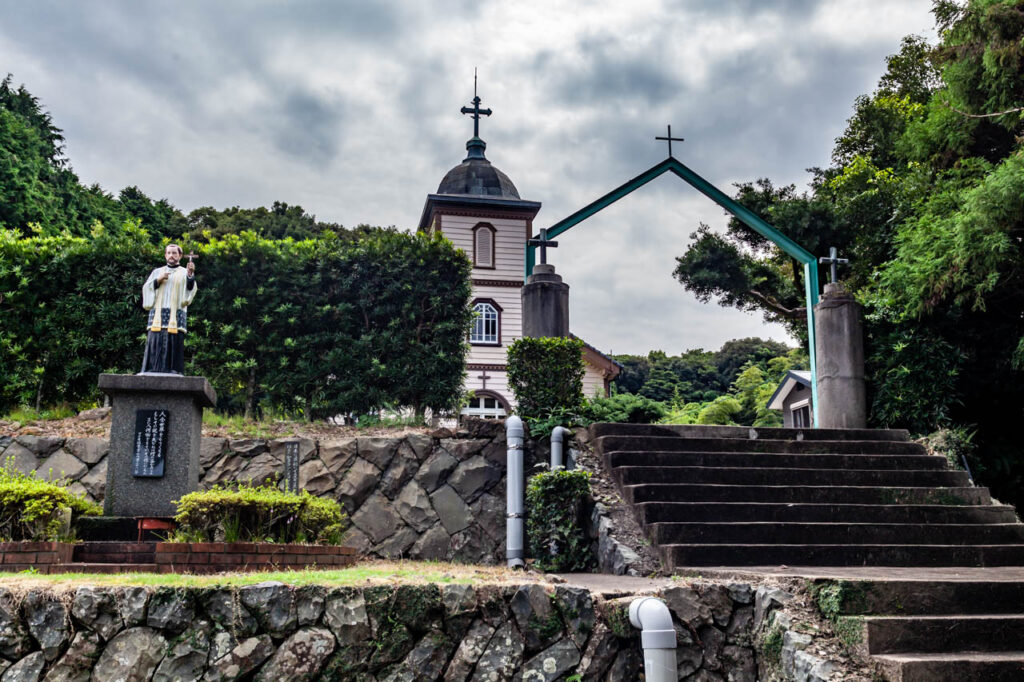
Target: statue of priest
(166,295)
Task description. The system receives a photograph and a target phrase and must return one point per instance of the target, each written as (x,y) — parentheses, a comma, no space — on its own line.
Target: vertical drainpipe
(559,435)
(657,637)
(514,553)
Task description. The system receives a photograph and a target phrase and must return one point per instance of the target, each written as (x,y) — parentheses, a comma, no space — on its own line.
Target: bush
(625,408)
(546,376)
(33,509)
(956,444)
(251,513)
(557,504)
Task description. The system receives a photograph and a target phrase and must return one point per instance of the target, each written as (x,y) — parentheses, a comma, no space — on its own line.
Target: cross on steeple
(543,243)
(834,261)
(670,139)
(476,111)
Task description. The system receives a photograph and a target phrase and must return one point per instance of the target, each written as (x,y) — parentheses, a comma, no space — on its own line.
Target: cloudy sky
(351,109)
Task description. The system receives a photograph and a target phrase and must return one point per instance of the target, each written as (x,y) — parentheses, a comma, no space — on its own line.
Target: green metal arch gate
(748,217)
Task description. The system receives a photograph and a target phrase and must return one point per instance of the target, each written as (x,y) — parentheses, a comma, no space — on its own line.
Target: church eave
(519,208)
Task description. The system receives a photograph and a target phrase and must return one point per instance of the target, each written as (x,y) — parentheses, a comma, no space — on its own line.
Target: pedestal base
(136,487)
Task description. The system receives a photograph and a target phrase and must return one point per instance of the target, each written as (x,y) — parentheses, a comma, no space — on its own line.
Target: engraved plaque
(291,467)
(150,443)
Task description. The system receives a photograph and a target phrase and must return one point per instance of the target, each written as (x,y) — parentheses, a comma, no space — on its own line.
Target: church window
(486,405)
(486,323)
(483,246)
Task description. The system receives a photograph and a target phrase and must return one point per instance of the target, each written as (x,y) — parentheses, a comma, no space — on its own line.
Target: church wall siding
(509,239)
(593,381)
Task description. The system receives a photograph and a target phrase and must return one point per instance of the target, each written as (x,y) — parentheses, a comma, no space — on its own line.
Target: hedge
(250,513)
(317,328)
(546,376)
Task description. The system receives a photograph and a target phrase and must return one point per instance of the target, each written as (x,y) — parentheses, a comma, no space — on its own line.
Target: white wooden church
(477,207)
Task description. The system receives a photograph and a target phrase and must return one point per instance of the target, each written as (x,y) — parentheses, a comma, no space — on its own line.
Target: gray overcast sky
(351,109)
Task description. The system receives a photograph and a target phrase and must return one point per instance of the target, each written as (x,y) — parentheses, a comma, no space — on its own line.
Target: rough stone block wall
(273,632)
(422,496)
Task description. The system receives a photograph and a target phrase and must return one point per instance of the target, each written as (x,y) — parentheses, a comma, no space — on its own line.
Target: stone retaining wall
(272,632)
(422,496)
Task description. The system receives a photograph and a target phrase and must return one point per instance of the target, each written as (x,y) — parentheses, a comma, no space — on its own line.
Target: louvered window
(483,243)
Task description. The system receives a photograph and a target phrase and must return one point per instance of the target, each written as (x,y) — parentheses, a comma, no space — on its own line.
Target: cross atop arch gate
(745,215)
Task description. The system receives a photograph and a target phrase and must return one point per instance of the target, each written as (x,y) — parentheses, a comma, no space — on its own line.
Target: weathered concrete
(839,345)
(545,303)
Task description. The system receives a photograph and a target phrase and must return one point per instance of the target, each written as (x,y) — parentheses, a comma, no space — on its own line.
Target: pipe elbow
(514,427)
(653,618)
(560,433)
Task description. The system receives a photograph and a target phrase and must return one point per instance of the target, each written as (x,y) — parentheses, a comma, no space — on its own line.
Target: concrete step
(663,512)
(621,458)
(954,666)
(932,597)
(814,477)
(938,634)
(745,432)
(607,444)
(744,532)
(688,555)
(86,567)
(810,494)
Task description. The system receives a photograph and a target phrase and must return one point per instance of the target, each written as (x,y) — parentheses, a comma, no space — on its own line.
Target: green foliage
(624,408)
(32,509)
(557,503)
(264,513)
(546,376)
(721,410)
(956,444)
(314,328)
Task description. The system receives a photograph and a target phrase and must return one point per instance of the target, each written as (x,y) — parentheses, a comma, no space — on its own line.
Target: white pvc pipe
(657,637)
(559,435)
(514,485)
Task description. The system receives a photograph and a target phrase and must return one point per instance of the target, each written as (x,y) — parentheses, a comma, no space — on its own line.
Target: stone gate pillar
(839,346)
(545,303)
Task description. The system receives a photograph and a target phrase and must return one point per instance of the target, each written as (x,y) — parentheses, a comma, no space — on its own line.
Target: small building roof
(793,378)
(598,359)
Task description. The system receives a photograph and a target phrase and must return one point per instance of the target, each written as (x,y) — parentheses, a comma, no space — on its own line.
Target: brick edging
(210,557)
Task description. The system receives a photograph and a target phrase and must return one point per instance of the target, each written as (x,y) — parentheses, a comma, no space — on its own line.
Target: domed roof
(475,175)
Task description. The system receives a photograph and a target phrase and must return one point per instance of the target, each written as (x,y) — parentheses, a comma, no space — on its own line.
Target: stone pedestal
(545,303)
(156,424)
(839,346)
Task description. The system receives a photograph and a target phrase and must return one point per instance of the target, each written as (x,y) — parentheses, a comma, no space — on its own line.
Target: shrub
(626,408)
(956,444)
(33,509)
(546,376)
(557,503)
(264,513)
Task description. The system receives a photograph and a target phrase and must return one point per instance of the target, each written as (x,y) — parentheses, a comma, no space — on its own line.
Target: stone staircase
(736,497)
(937,630)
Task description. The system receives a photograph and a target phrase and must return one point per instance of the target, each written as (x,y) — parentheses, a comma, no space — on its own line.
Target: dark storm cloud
(309,129)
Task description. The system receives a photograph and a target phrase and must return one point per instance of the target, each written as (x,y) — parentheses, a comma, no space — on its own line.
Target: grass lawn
(370,572)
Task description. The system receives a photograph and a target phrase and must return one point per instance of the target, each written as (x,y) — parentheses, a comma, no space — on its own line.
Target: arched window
(483,246)
(487,405)
(486,323)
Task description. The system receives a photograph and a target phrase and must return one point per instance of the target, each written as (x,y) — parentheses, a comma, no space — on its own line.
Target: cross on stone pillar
(670,139)
(543,242)
(834,261)
(483,377)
